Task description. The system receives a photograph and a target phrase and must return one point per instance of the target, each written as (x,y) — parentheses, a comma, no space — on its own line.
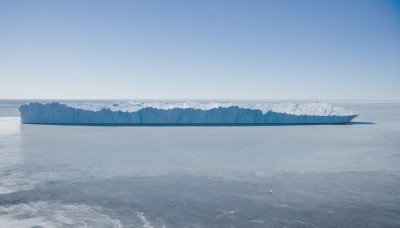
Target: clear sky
(214,49)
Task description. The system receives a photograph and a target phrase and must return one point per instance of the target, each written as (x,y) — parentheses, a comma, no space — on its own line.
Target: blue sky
(200,49)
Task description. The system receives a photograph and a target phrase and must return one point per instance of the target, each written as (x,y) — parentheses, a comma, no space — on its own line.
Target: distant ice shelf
(182,113)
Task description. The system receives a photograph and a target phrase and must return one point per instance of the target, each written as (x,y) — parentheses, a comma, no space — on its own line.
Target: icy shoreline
(183,113)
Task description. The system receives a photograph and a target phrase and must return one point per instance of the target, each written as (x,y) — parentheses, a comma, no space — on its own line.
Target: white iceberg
(182,113)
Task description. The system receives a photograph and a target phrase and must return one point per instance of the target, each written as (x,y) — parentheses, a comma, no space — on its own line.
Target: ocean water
(264,176)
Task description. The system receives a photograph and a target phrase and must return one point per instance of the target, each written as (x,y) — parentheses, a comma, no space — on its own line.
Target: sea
(202,176)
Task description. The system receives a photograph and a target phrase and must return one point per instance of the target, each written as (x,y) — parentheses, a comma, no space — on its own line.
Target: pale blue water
(266,176)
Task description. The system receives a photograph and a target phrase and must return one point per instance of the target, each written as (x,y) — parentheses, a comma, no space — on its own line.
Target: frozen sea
(263,176)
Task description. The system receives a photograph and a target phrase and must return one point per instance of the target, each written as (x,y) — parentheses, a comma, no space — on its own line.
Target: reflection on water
(302,176)
(11,178)
(10,141)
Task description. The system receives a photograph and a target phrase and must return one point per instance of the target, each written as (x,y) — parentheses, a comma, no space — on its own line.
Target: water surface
(264,176)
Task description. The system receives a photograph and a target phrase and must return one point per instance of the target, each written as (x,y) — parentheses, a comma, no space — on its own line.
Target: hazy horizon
(198,99)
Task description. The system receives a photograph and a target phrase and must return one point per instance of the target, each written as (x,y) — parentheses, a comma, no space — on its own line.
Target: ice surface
(319,175)
(181,113)
(53,215)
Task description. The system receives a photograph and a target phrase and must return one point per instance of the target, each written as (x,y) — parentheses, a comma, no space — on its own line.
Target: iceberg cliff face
(183,113)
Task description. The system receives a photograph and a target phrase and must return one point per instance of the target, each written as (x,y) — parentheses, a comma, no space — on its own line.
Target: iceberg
(182,113)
